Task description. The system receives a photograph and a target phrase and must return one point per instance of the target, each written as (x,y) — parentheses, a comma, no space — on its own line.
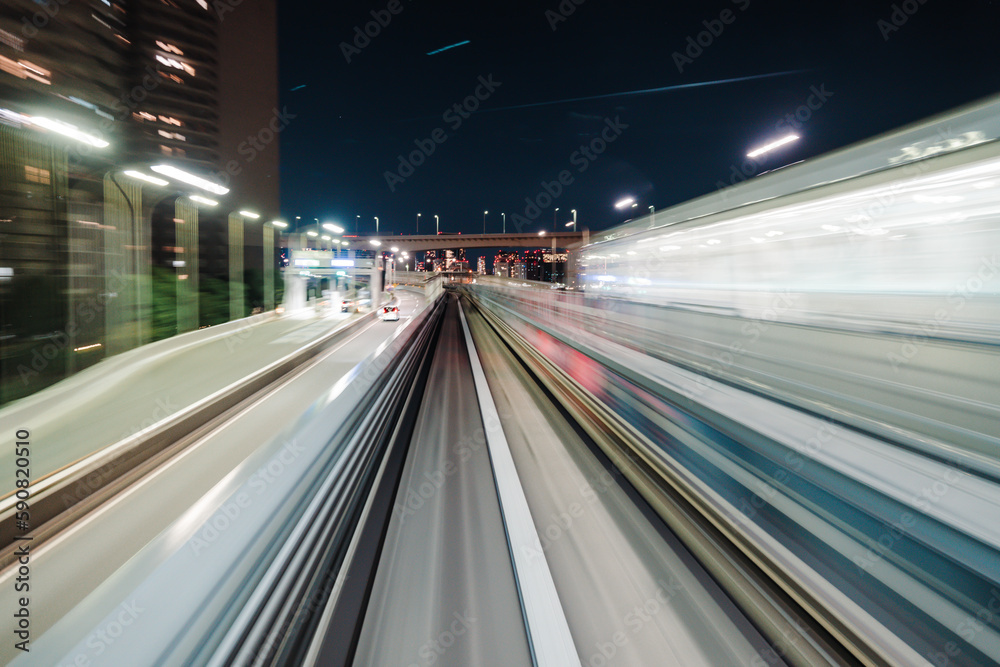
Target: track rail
(798,622)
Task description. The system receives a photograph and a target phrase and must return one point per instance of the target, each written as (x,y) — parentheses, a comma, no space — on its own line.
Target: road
(90,568)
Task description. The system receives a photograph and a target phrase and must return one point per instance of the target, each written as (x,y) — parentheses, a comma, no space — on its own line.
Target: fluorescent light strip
(67,130)
(190,179)
(149,179)
(774,144)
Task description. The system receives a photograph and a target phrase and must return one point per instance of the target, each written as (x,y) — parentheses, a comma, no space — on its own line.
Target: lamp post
(418,223)
(357,221)
(268,247)
(484,222)
(437,225)
(376,225)
(554,218)
(504,216)
(573,211)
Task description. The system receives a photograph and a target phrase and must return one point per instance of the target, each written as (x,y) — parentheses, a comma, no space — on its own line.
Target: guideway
(445,592)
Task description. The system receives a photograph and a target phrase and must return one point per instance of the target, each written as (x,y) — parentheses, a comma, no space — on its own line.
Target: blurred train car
(893,232)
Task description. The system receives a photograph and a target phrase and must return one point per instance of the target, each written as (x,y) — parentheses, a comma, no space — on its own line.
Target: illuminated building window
(36,175)
(172,77)
(11,40)
(173,152)
(23,69)
(176,64)
(169,48)
(172,135)
(170,120)
(143,115)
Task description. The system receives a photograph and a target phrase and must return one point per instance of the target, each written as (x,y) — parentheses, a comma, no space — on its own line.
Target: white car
(389,313)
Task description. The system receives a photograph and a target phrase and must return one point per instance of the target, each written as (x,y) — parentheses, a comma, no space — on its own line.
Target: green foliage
(213,302)
(164,315)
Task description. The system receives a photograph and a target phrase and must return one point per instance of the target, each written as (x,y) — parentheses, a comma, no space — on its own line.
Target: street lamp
(268,245)
(554,218)
(573,211)
(504,216)
(437,225)
(774,144)
(484,221)
(357,221)
(628,201)
(376,225)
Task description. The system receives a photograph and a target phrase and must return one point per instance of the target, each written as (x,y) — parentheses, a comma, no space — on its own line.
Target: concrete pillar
(186,226)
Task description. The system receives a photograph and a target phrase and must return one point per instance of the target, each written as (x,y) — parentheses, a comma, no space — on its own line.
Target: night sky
(875,72)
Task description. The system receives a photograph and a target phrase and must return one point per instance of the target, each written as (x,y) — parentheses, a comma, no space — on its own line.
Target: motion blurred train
(891,233)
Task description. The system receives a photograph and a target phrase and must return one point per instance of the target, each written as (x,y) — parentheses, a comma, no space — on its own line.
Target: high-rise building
(481,265)
(89,90)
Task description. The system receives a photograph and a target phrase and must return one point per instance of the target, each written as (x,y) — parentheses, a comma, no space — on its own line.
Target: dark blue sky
(354,119)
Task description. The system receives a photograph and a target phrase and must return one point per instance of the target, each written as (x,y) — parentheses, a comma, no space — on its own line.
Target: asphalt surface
(119,397)
(113,548)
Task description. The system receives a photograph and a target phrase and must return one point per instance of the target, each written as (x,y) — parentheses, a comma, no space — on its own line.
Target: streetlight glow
(774,144)
(375,243)
(149,179)
(570,223)
(313,234)
(250,214)
(67,130)
(203,200)
(628,201)
(326,237)
(394,249)
(333,228)
(190,179)
(541,233)
(279,224)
